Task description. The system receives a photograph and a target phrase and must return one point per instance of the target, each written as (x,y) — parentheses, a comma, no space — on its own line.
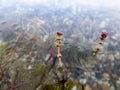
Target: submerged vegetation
(23,65)
(32,58)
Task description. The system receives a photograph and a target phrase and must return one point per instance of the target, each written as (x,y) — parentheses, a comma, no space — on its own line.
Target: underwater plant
(56,73)
(100,44)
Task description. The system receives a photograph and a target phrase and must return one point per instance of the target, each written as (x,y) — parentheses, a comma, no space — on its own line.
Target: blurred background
(27,30)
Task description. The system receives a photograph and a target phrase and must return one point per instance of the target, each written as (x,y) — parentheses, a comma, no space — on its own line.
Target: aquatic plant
(99,46)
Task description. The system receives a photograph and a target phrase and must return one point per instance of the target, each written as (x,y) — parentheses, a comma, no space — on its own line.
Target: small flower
(59,33)
(104,34)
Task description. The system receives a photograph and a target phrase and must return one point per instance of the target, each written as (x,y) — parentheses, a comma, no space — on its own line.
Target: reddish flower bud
(59,33)
(104,35)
